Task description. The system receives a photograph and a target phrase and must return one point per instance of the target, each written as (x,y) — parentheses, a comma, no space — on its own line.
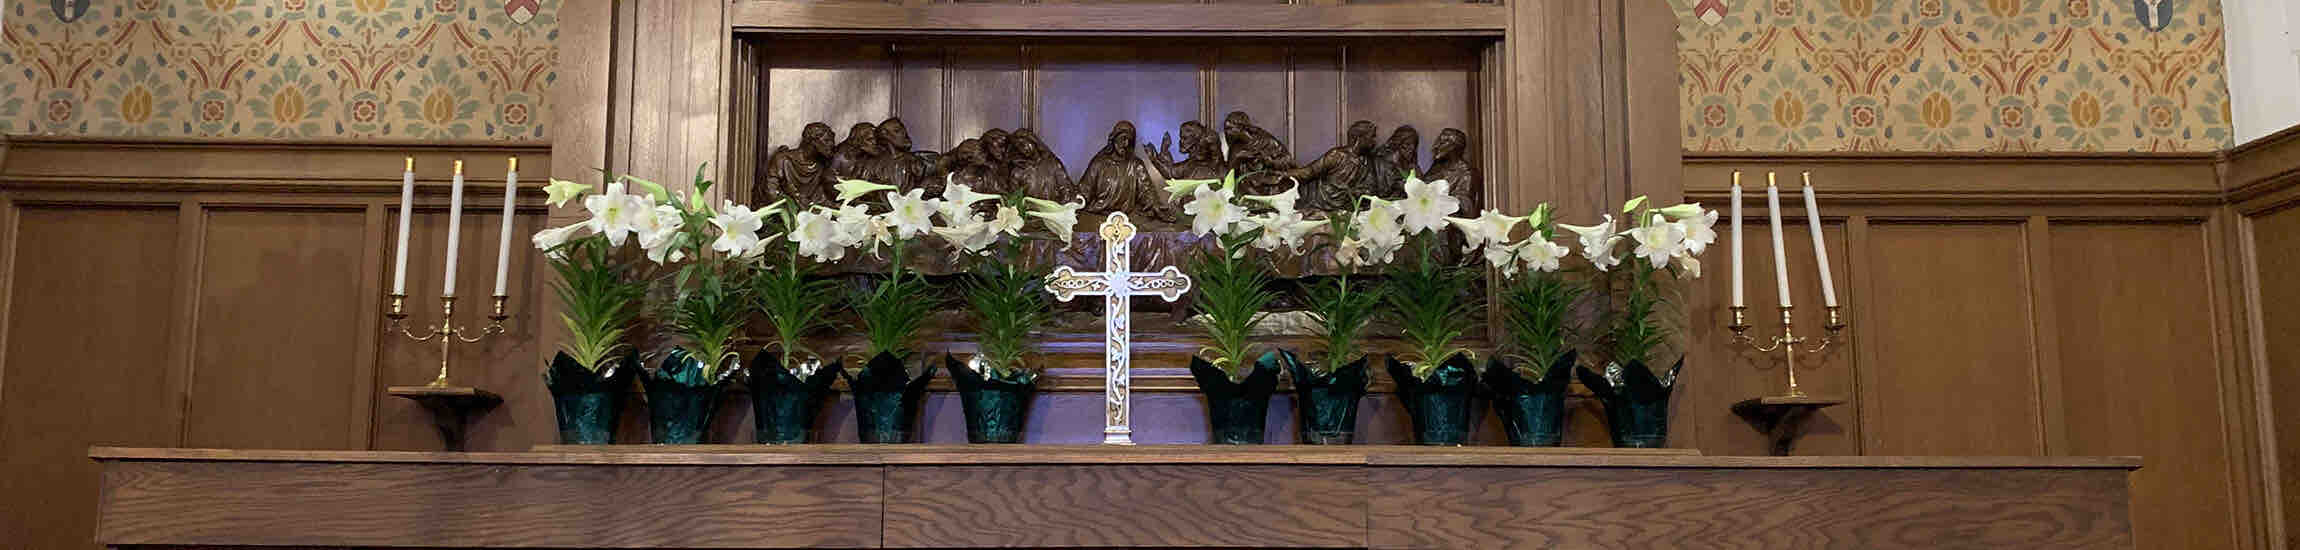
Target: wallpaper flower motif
(429,69)
(1952,75)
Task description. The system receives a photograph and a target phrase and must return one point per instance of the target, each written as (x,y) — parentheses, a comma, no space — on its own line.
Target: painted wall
(393,69)
(1952,75)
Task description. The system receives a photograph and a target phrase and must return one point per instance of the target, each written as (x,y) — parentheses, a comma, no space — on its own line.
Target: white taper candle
(1780,251)
(406,211)
(454,230)
(1820,247)
(1740,298)
(503,249)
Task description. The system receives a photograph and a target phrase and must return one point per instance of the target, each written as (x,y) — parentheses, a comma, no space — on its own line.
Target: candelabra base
(1782,417)
(452,408)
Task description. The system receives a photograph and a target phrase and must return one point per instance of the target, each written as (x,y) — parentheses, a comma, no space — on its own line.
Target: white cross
(1117,287)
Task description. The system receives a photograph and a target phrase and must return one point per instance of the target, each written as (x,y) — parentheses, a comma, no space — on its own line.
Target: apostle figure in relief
(1259,158)
(967,165)
(1399,155)
(901,167)
(1037,171)
(1450,162)
(997,150)
(1118,180)
(1204,148)
(1344,173)
(853,157)
(802,174)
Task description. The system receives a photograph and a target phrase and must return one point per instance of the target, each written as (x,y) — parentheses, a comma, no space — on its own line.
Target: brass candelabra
(446,331)
(1788,341)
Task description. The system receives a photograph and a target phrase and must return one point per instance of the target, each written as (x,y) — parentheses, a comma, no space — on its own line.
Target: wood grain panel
(987,87)
(1629,508)
(2137,379)
(1254,79)
(1720,372)
(279,306)
(837,83)
(1125,505)
(1428,86)
(2276,255)
(1083,90)
(1317,99)
(1954,371)
(477,505)
(920,87)
(86,360)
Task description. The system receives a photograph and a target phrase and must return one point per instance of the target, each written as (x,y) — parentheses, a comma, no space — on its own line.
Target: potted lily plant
(590,374)
(789,381)
(1668,243)
(1328,387)
(1528,385)
(887,391)
(1008,297)
(709,302)
(1429,297)
(1232,292)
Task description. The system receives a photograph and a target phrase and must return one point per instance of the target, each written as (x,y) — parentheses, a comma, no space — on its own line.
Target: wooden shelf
(1129,20)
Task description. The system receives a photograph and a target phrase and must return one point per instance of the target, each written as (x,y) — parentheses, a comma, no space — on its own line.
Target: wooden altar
(938,496)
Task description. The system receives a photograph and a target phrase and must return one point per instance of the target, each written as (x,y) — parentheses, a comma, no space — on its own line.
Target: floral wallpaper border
(431,69)
(1952,75)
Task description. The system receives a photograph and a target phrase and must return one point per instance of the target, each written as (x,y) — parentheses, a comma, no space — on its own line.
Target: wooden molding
(1969,178)
(1120,20)
(339,166)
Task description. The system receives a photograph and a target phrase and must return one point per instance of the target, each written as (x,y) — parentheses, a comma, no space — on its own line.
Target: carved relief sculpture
(1204,148)
(1343,173)
(1450,162)
(802,174)
(997,151)
(1260,159)
(966,164)
(899,166)
(853,156)
(1118,180)
(1038,171)
(1397,156)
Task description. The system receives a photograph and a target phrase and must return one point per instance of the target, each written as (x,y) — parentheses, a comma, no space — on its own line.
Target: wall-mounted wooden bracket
(1782,418)
(452,408)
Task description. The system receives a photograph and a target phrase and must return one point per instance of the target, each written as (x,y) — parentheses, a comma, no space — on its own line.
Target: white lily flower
(1489,227)
(1597,242)
(1690,266)
(1283,203)
(1426,205)
(817,235)
(1211,212)
(969,235)
(738,228)
(549,239)
(1633,204)
(560,191)
(659,234)
(911,216)
(1501,257)
(849,190)
(614,211)
(758,247)
(1379,222)
(1350,252)
(1008,221)
(1680,212)
(1380,250)
(965,195)
(1285,228)
(1541,255)
(1061,219)
(1657,242)
(1178,188)
(1699,230)
(853,224)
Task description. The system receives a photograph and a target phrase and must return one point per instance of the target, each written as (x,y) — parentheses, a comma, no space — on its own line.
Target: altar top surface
(865,455)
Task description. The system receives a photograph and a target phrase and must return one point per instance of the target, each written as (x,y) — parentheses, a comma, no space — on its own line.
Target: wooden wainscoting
(2003,305)
(230,294)
(2263,179)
